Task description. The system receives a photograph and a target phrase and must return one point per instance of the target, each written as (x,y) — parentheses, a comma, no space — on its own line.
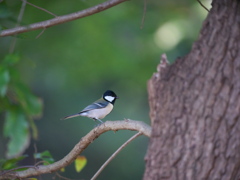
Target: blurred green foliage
(72,64)
(19,105)
(10,163)
(45,156)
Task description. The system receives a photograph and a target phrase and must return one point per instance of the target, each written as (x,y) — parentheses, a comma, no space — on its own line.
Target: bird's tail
(71,116)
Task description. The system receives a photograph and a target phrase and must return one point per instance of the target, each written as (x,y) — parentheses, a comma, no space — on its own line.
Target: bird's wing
(96,105)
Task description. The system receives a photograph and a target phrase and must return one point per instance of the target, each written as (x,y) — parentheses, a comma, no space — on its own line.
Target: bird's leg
(98,120)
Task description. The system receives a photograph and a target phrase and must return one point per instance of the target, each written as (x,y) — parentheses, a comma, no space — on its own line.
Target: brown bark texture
(195,105)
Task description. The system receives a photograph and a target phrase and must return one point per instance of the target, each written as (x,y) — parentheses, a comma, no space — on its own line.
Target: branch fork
(126,124)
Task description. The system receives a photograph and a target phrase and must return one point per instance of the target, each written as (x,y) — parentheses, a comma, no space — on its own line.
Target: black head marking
(110,96)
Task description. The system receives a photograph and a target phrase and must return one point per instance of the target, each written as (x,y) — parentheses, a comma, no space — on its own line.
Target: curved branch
(115,154)
(126,124)
(61,19)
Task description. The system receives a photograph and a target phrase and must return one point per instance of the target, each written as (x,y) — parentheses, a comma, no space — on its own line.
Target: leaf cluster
(19,105)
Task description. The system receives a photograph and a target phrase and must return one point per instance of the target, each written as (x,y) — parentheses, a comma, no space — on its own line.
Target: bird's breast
(100,113)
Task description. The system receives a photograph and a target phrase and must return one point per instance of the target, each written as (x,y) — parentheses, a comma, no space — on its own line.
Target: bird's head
(110,96)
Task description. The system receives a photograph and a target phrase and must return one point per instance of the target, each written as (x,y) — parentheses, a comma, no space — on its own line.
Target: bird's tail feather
(71,116)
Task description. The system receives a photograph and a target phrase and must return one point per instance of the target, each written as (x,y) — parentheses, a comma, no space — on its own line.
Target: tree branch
(13,44)
(61,19)
(126,124)
(203,5)
(115,154)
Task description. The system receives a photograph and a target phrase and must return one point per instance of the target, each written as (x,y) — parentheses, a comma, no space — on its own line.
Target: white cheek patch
(109,98)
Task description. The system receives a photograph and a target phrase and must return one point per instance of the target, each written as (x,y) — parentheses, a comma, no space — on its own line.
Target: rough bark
(195,105)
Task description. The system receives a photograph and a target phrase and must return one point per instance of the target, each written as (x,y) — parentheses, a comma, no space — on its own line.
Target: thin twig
(61,19)
(40,33)
(144,13)
(114,155)
(12,46)
(41,162)
(203,5)
(35,152)
(17,168)
(40,8)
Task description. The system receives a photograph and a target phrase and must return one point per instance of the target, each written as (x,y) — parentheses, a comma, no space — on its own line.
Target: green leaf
(31,104)
(16,128)
(4,80)
(80,163)
(62,169)
(4,104)
(11,59)
(45,156)
(12,163)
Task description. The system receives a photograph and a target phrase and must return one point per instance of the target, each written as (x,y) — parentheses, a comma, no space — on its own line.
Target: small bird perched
(98,109)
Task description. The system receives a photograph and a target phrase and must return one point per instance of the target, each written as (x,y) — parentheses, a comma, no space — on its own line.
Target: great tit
(98,109)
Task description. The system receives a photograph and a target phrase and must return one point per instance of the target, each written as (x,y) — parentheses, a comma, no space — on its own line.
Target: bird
(98,109)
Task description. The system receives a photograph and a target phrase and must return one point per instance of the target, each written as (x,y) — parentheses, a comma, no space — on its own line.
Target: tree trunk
(195,105)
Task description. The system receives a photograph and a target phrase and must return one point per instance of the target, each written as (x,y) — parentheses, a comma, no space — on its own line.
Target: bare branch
(12,46)
(115,154)
(41,33)
(202,5)
(40,8)
(126,124)
(144,13)
(61,19)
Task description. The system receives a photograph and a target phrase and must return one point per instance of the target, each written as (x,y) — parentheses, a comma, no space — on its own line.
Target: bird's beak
(117,97)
